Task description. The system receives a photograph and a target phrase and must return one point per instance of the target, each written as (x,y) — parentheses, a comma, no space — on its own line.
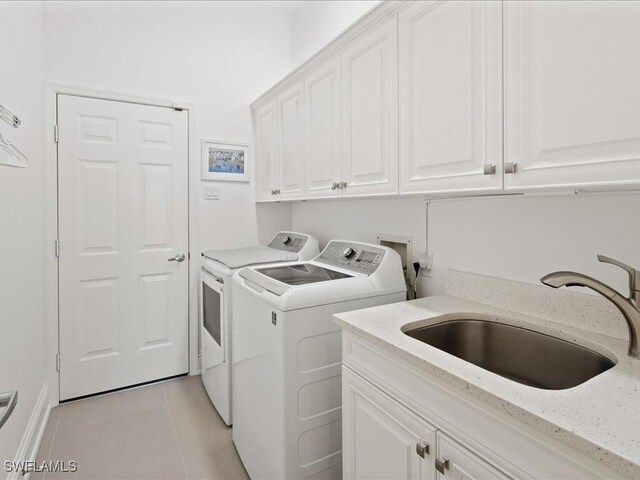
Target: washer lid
(302,274)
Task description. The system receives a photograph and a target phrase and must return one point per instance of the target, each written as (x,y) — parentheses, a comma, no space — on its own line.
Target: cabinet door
(571,93)
(266,154)
(450,96)
(463,464)
(370,156)
(380,436)
(291,165)
(323,116)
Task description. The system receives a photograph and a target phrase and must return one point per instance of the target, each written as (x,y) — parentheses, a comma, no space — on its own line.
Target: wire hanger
(13,151)
(9,117)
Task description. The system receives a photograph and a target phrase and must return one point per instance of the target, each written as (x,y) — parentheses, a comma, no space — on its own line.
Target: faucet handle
(634,275)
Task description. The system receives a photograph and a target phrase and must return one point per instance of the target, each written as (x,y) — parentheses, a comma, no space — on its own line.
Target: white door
(264,119)
(123,214)
(461,463)
(290,130)
(451,96)
(323,122)
(572,101)
(382,439)
(370,68)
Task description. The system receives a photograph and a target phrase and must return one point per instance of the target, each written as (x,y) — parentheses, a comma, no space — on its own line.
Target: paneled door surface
(290,123)
(572,72)
(123,231)
(370,78)
(451,96)
(266,154)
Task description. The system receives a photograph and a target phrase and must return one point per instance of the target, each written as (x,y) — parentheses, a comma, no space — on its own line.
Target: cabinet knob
(334,186)
(342,185)
(422,449)
(489,169)
(510,167)
(442,464)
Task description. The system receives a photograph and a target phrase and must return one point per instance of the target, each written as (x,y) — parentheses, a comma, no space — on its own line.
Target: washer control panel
(289,242)
(352,256)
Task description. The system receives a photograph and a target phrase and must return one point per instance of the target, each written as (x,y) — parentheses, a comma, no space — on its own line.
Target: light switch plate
(211,192)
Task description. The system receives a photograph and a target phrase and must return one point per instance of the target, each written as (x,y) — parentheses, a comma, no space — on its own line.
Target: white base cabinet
(399,422)
(381,438)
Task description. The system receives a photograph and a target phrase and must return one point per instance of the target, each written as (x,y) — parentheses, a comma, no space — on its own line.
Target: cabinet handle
(442,464)
(489,169)
(422,448)
(510,167)
(334,186)
(278,191)
(342,185)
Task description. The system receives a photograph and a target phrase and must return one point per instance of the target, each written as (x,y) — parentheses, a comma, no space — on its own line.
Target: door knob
(181,257)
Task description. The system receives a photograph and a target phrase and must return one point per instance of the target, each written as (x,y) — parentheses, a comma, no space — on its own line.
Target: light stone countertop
(600,417)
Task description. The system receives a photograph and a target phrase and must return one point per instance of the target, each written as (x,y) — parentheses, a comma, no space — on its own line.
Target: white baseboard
(30,443)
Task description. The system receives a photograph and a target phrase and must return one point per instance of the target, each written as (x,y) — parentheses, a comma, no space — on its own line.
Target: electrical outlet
(426,264)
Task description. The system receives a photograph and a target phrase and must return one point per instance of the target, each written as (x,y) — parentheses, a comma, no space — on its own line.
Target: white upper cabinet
(455,97)
(451,96)
(370,69)
(266,151)
(323,123)
(290,164)
(572,96)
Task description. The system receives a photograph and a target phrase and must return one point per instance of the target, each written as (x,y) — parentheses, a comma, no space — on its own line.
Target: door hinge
(56,133)
(58,362)
(57,247)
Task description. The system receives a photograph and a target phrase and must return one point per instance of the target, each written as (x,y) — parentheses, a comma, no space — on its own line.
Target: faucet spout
(627,306)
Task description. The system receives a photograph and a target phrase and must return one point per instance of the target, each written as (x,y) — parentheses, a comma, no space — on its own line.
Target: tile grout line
(175,434)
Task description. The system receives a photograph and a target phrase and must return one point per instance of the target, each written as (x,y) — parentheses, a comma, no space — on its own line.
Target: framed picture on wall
(225,161)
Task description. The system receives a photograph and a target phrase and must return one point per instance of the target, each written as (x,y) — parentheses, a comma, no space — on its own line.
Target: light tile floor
(163,431)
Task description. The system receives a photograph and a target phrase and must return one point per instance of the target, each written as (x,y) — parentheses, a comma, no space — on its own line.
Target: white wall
(220,55)
(362,219)
(22,295)
(524,238)
(316,23)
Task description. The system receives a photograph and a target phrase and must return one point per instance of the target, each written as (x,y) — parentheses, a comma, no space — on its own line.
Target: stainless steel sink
(521,355)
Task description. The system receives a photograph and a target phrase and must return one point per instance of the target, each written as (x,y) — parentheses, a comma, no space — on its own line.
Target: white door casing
(323,123)
(266,151)
(123,213)
(571,93)
(290,169)
(370,79)
(450,96)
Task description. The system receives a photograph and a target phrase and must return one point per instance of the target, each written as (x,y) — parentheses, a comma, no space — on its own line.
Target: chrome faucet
(630,307)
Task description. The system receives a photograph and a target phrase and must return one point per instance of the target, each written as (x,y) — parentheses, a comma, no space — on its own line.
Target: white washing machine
(216,313)
(288,355)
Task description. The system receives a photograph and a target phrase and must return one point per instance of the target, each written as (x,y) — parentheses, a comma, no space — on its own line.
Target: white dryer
(288,354)
(216,313)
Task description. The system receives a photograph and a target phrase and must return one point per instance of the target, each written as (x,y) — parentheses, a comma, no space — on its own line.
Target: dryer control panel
(289,242)
(352,256)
